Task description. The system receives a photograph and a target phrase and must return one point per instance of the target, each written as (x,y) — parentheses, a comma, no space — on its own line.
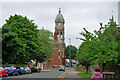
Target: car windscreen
(21,68)
(61,66)
(1,68)
(36,67)
(26,67)
(7,67)
(17,67)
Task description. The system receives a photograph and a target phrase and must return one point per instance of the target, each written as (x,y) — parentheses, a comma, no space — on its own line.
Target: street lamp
(70,54)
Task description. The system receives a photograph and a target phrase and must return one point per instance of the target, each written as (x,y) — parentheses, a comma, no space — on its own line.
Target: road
(43,74)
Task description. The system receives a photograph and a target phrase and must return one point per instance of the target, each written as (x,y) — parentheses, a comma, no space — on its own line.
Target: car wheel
(1,75)
(13,74)
(17,74)
(38,71)
(7,75)
(21,73)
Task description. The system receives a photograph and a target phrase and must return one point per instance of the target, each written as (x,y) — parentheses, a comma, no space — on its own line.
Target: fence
(116,70)
(91,69)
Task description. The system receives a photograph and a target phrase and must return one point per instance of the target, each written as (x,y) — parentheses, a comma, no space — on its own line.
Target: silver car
(27,69)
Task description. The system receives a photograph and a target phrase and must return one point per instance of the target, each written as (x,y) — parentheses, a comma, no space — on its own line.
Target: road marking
(62,75)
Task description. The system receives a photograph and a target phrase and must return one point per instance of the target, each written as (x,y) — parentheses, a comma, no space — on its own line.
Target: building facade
(59,56)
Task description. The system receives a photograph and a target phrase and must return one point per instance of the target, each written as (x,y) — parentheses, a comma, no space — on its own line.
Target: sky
(78,14)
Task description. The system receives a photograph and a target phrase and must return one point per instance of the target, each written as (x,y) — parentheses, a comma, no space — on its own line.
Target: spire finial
(59,10)
(112,12)
(112,16)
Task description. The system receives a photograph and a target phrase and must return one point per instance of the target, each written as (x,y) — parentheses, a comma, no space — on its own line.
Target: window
(60,32)
(57,32)
(63,54)
(59,24)
(59,61)
(58,53)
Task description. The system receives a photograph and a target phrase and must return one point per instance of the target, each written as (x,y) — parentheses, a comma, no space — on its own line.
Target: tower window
(60,32)
(59,61)
(57,32)
(59,24)
(59,53)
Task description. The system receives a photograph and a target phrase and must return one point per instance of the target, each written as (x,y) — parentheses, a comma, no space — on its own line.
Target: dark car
(35,69)
(21,70)
(27,69)
(11,70)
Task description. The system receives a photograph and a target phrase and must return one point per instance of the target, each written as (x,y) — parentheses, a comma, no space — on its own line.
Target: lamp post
(70,54)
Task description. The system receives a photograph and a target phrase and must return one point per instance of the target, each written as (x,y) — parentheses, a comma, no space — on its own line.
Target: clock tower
(59,39)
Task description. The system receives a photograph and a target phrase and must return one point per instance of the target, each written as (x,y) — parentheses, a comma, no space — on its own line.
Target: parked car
(11,70)
(0,74)
(27,69)
(21,70)
(62,68)
(35,69)
(3,72)
(53,66)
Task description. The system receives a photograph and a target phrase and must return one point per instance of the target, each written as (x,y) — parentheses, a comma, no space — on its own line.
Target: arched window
(58,53)
(60,32)
(57,32)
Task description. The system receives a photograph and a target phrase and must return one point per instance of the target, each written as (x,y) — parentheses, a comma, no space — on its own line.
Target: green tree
(103,45)
(46,37)
(20,40)
(73,51)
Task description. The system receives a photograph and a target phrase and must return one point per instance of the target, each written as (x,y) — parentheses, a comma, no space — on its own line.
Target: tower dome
(59,18)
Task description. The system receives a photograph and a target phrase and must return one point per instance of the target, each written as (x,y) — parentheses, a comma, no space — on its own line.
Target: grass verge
(84,75)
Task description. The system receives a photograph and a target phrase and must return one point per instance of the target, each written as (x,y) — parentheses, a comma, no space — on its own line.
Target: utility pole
(70,54)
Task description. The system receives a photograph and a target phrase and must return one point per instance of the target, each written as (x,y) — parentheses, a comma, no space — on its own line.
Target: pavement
(71,74)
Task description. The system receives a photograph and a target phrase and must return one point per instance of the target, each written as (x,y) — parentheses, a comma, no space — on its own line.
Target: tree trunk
(87,69)
(36,62)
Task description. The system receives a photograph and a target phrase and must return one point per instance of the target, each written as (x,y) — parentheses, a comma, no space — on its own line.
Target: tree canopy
(46,37)
(102,46)
(22,41)
(73,51)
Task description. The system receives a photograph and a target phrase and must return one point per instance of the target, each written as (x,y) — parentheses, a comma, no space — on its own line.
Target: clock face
(59,24)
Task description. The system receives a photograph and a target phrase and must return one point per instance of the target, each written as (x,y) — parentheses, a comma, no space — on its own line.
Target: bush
(78,64)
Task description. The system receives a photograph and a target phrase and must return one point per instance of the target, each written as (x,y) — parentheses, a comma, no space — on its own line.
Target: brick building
(59,56)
